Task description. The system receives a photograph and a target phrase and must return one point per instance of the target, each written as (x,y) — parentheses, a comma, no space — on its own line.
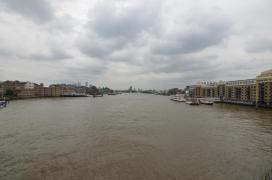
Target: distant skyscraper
(86,84)
(79,83)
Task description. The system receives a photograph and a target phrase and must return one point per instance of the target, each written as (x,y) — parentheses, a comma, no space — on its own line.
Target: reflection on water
(132,137)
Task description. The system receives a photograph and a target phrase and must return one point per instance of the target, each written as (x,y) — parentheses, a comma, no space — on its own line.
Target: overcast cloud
(143,43)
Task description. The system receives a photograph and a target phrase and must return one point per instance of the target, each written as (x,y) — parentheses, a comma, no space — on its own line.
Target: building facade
(12,88)
(17,89)
(55,90)
(256,91)
(264,88)
(27,91)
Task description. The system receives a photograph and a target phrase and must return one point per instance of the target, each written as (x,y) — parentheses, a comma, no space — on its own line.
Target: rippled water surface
(132,137)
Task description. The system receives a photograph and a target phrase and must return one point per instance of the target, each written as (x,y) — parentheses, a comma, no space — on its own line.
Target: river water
(132,137)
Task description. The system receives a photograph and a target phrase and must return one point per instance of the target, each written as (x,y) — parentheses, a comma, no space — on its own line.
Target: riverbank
(238,103)
(247,104)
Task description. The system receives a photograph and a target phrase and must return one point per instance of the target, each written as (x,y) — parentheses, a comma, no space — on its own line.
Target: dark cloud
(93,46)
(114,25)
(144,43)
(201,33)
(87,72)
(52,54)
(112,19)
(39,11)
(114,31)
(94,50)
(62,24)
(184,64)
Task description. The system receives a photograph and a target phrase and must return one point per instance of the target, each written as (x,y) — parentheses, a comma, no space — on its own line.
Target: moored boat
(3,104)
(193,102)
(178,98)
(206,102)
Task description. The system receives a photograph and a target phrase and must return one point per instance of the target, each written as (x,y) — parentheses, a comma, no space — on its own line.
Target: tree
(9,93)
(92,90)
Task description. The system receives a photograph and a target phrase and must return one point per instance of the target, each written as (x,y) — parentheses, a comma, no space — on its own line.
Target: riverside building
(256,91)
(18,90)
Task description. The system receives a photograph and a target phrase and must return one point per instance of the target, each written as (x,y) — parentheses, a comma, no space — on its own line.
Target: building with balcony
(12,88)
(20,89)
(27,91)
(264,88)
(256,91)
(55,90)
(17,90)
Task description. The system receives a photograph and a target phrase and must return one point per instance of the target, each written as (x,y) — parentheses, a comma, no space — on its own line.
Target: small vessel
(206,102)
(193,102)
(3,104)
(178,98)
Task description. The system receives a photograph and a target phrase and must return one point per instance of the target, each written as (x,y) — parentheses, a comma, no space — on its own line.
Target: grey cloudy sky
(144,43)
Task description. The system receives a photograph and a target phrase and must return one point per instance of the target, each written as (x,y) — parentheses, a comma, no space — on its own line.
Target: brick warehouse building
(256,91)
(31,90)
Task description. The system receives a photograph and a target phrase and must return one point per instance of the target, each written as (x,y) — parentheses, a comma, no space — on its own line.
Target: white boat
(193,102)
(206,102)
(178,98)
(3,104)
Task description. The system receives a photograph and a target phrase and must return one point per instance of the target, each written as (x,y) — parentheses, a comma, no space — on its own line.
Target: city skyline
(148,44)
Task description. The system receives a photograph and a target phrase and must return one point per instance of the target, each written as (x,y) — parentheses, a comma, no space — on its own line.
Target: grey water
(132,137)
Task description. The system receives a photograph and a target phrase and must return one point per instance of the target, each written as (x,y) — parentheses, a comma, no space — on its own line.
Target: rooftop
(265,76)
